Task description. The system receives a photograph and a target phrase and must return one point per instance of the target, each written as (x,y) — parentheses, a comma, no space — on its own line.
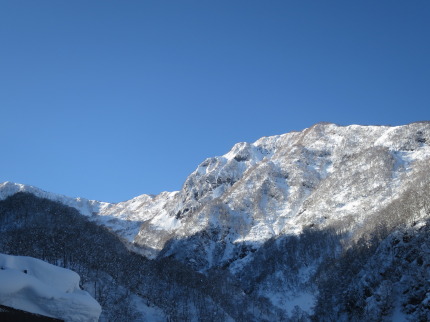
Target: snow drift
(32,285)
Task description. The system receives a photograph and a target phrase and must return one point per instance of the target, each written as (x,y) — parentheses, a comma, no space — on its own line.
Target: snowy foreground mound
(32,285)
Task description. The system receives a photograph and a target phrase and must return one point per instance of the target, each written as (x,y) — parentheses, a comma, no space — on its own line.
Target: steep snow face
(34,286)
(326,175)
(322,176)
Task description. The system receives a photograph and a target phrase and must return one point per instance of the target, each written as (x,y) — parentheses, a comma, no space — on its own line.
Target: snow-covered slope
(32,285)
(322,176)
(291,201)
(123,218)
(276,185)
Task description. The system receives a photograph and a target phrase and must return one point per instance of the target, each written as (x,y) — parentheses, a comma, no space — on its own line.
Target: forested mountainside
(330,223)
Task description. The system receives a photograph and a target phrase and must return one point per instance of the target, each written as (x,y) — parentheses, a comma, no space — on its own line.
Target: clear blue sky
(111,99)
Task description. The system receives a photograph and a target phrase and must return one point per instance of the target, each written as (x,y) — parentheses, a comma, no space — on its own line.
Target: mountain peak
(270,221)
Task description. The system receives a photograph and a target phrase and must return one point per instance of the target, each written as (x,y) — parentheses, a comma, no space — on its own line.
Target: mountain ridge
(217,174)
(271,216)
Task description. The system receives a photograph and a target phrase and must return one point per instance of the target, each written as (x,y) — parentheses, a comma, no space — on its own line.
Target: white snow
(323,176)
(124,218)
(35,286)
(276,185)
(84,206)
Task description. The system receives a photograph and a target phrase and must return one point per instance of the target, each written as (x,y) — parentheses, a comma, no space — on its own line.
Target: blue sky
(111,99)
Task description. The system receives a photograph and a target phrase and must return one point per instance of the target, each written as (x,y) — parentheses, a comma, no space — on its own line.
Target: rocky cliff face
(324,176)
(271,217)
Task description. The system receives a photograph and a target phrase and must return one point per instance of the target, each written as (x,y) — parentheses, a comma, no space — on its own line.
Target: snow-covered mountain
(308,197)
(32,285)
(323,176)
(276,185)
